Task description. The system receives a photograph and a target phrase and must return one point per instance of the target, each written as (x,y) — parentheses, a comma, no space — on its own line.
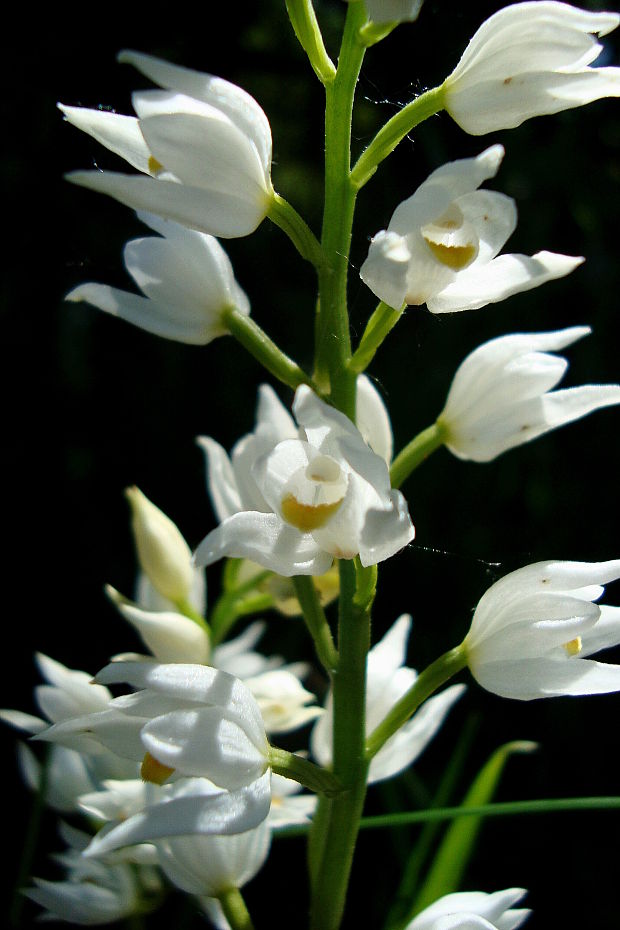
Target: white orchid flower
(473,910)
(186,279)
(532,630)
(529,59)
(501,395)
(202,145)
(309,500)
(441,244)
(212,865)
(388,679)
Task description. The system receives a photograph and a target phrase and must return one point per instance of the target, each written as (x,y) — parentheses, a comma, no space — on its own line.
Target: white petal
(226,812)
(171,637)
(198,684)
(443,186)
(386,532)
(120,134)
(164,320)
(211,154)
(372,419)
(234,102)
(411,740)
(219,213)
(207,742)
(266,539)
(506,275)
(221,482)
(213,864)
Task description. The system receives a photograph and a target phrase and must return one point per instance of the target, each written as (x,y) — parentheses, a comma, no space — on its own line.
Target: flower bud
(162,552)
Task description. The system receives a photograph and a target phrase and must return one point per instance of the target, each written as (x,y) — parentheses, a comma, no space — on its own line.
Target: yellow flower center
(155,772)
(574,646)
(451,239)
(313,494)
(154,166)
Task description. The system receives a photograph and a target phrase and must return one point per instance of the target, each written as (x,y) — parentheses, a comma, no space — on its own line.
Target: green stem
(226,609)
(235,911)
(185,608)
(379,325)
(372,32)
(303,19)
(258,344)
(350,766)
(333,342)
(415,452)
(435,675)
(394,131)
(282,214)
(498,809)
(311,776)
(316,621)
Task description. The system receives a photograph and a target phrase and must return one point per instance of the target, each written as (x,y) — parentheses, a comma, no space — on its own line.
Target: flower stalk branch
(235,910)
(282,214)
(416,452)
(304,22)
(264,350)
(316,622)
(306,773)
(434,676)
(394,131)
(382,321)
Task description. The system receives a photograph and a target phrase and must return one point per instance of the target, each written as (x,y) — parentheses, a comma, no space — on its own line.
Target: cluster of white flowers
(182,770)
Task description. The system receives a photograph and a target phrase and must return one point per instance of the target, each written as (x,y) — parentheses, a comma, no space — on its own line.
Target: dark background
(92,405)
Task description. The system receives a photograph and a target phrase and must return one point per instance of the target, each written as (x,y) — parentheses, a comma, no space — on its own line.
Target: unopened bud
(163,554)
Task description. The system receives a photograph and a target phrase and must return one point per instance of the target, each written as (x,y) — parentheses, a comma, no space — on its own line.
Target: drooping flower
(529,59)
(187,283)
(197,724)
(441,244)
(388,679)
(473,910)
(501,394)
(296,504)
(532,630)
(202,145)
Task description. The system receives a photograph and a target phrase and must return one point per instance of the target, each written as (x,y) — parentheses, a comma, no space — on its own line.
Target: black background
(92,405)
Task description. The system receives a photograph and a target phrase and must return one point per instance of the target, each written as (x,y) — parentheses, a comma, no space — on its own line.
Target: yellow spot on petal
(155,772)
(456,257)
(306,517)
(574,647)
(155,166)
